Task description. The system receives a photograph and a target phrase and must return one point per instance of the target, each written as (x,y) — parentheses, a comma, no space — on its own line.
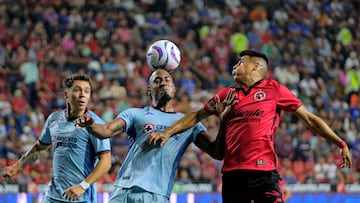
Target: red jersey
(252,123)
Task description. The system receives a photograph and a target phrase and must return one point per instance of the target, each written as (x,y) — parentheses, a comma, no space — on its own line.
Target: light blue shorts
(135,195)
(48,199)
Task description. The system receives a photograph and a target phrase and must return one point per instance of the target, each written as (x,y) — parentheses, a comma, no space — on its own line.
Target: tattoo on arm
(29,158)
(32,155)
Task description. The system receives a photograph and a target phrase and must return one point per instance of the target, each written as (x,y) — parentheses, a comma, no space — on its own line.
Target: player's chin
(82,106)
(165,96)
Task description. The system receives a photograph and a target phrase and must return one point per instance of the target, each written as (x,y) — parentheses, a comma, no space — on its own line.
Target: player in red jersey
(250,161)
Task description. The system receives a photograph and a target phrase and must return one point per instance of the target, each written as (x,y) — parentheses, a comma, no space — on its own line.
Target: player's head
(77,91)
(161,87)
(251,67)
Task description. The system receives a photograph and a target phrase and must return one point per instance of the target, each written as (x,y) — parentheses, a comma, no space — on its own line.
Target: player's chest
(65,132)
(255,103)
(154,122)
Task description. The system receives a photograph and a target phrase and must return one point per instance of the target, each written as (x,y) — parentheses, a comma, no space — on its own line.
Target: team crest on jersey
(259,95)
(148,128)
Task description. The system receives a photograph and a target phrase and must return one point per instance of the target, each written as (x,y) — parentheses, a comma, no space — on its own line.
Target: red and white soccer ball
(163,54)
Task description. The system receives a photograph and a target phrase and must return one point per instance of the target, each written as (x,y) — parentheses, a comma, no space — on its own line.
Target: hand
(155,137)
(223,108)
(73,193)
(346,158)
(10,171)
(84,121)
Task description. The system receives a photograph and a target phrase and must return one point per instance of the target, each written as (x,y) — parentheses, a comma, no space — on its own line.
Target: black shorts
(247,185)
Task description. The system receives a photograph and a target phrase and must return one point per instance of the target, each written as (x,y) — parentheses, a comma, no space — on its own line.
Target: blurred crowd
(313,47)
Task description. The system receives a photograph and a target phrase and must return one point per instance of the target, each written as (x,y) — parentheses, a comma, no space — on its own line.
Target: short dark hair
(254,53)
(69,81)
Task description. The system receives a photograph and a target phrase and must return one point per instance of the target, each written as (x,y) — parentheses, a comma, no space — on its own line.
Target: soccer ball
(163,54)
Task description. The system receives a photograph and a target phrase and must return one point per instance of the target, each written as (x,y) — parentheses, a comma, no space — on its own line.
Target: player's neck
(72,114)
(253,81)
(168,107)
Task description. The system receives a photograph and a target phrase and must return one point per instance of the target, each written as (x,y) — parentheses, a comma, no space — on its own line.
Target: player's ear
(65,94)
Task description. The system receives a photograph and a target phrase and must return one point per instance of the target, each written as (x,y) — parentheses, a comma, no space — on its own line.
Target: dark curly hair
(69,81)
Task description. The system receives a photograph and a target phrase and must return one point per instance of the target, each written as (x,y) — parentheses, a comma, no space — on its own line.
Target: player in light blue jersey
(79,159)
(147,173)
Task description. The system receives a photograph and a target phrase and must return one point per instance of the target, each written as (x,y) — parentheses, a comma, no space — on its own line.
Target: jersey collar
(248,90)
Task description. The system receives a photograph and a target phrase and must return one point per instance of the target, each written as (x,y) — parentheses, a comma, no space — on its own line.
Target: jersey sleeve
(45,137)
(100,145)
(127,117)
(210,106)
(199,127)
(287,100)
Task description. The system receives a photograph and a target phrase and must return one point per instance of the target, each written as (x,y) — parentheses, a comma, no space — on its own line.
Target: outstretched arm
(102,131)
(216,149)
(319,126)
(101,168)
(29,157)
(186,122)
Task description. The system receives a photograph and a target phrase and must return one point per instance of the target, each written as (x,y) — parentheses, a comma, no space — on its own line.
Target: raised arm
(186,122)
(317,125)
(28,158)
(102,131)
(216,148)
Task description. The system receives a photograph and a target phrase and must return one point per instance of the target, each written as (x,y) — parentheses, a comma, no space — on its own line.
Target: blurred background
(313,47)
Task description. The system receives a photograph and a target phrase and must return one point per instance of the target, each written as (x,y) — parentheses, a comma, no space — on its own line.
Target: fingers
(153,138)
(157,138)
(217,99)
(346,162)
(346,158)
(5,173)
(3,176)
(84,121)
(70,194)
(163,140)
(229,95)
(231,98)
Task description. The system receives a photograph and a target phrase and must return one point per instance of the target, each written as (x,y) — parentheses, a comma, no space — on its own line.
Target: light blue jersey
(149,167)
(75,153)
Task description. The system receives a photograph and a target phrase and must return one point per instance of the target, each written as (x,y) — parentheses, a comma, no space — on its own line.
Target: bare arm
(186,122)
(101,131)
(29,157)
(216,149)
(101,168)
(319,126)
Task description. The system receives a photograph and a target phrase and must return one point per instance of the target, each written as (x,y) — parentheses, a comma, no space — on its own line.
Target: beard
(163,100)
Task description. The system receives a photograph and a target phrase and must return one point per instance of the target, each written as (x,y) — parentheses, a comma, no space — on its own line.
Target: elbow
(217,155)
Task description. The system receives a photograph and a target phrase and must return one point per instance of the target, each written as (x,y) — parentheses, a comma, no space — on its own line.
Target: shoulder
(96,118)
(132,112)
(56,115)
(273,85)
(224,91)
(271,82)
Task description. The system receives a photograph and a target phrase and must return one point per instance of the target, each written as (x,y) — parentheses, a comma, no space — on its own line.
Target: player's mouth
(81,103)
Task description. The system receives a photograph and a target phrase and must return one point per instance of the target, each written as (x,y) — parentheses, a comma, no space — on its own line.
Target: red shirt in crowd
(252,124)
